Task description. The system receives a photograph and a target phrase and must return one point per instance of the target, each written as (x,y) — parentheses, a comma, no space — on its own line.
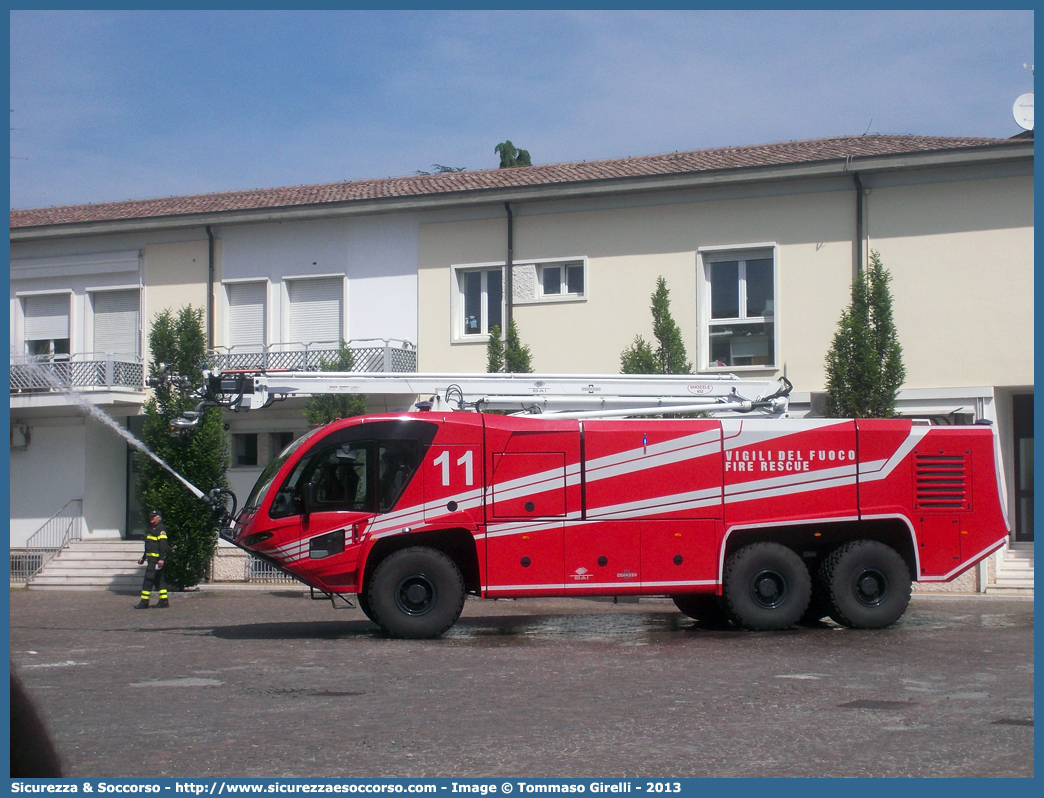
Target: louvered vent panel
(942,482)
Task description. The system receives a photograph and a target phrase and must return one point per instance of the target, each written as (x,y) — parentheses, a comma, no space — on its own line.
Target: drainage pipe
(859,227)
(210,288)
(508,278)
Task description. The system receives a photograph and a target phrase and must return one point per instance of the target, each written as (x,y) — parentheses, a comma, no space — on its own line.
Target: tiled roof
(677,163)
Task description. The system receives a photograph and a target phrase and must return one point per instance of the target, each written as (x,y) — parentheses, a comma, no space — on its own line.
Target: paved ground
(251,684)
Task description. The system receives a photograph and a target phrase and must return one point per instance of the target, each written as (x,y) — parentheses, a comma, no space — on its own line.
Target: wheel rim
(870,587)
(416,595)
(768,589)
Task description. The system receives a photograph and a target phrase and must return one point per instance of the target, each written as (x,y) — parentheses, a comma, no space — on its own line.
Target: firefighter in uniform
(152,559)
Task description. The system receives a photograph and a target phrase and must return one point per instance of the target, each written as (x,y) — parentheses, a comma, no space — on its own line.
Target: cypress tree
(670,356)
(201,457)
(494,351)
(638,358)
(670,349)
(517,357)
(864,366)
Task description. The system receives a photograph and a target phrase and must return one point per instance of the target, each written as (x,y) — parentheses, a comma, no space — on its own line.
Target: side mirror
(307,499)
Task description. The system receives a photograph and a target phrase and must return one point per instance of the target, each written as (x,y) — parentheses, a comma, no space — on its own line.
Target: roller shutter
(316,309)
(117,323)
(46,317)
(246,314)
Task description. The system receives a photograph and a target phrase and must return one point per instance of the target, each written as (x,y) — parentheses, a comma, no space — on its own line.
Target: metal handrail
(369,355)
(45,543)
(36,373)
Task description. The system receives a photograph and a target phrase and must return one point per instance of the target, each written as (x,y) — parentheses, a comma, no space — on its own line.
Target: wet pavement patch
(188,681)
(306,693)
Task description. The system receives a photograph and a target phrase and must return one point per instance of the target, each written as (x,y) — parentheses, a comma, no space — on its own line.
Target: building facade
(758,246)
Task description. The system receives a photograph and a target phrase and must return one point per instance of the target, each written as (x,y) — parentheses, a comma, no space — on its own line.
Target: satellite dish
(1023,111)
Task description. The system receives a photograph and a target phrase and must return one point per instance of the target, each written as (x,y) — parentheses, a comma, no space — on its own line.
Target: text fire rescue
(789,460)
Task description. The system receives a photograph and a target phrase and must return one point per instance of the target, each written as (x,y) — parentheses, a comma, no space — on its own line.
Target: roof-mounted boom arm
(561,395)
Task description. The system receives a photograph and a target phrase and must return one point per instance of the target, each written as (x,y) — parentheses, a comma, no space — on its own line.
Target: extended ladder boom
(575,395)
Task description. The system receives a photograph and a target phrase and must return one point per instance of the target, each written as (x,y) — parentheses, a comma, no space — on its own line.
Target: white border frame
(225,307)
(703,311)
(457,301)
(541,299)
(88,314)
(284,304)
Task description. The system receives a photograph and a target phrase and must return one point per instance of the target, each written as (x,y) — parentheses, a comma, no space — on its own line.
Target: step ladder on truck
(721,501)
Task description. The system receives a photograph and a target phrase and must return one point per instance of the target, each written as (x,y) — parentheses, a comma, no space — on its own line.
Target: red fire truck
(760,521)
(756,519)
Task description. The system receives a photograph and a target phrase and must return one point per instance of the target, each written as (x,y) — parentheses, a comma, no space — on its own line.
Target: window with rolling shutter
(46,324)
(316,309)
(246,314)
(117,323)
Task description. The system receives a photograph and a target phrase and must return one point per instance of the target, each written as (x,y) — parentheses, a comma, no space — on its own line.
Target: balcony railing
(368,355)
(104,371)
(90,370)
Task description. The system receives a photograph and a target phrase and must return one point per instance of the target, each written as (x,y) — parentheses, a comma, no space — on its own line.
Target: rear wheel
(416,593)
(866,584)
(703,607)
(766,587)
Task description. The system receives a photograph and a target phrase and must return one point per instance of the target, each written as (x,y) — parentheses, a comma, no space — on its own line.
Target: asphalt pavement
(272,684)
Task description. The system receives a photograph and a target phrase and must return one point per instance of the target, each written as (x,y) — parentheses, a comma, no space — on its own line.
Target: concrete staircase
(1014,571)
(94,565)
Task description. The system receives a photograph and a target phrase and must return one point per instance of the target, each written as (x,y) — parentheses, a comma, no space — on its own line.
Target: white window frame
(22,296)
(226,307)
(706,257)
(457,334)
(284,303)
(91,293)
(562,264)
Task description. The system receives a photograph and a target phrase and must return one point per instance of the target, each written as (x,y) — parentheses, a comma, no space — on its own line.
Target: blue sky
(121,105)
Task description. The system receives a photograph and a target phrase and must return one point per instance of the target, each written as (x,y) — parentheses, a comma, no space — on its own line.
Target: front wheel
(866,584)
(765,587)
(416,593)
(363,600)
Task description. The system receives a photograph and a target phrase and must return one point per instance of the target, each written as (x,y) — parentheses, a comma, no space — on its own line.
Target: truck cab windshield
(351,475)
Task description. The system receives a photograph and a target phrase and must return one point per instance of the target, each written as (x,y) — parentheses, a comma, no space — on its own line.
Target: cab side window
(340,476)
(397,462)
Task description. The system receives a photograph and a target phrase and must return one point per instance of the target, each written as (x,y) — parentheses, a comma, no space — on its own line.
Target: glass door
(1023,427)
(137,524)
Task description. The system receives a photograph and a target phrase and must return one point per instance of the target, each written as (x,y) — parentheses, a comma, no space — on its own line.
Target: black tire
(416,593)
(866,584)
(703,607)
(363,600)
(766,587)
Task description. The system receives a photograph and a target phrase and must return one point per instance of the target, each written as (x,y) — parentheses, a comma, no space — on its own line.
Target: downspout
(509,282)
(210,288)
(859,226)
